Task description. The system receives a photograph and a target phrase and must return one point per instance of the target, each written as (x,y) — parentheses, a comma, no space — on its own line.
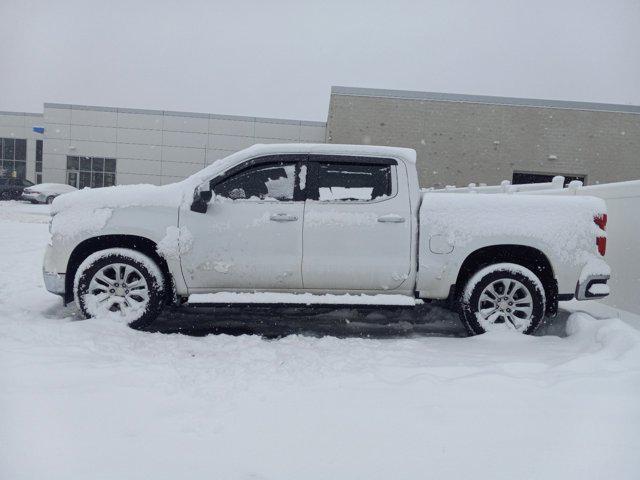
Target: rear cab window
(351,179)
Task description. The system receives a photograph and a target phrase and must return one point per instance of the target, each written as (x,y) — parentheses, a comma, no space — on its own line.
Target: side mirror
(201,200)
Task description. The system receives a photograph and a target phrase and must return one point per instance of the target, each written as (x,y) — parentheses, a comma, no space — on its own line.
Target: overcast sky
(278,58)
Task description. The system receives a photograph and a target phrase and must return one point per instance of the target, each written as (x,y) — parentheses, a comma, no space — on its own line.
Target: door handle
(283,217)
(392,218)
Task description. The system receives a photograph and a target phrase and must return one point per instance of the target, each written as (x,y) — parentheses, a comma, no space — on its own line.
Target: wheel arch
(134,242)
(524,255)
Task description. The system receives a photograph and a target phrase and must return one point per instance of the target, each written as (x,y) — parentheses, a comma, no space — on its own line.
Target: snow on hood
(119,196)
(564,224)
(89,210)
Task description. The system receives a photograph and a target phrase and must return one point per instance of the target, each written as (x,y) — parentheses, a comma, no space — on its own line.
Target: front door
(251,235)
(357,224)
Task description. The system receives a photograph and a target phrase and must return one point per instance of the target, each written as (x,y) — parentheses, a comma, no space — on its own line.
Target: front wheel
(502,296)
(120,283)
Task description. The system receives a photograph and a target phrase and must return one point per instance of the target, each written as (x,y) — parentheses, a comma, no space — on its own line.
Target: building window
(38,161)
(528,177)
(94,172)
(13,157)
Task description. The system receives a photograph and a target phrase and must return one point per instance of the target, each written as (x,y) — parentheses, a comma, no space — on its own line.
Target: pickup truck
(324,221)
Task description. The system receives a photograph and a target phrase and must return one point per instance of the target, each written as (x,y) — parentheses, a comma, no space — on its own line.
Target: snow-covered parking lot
(94,399)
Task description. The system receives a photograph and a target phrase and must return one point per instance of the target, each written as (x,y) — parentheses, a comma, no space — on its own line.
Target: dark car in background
(11,188)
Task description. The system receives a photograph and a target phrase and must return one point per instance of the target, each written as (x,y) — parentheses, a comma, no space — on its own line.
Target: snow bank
(564,224)
(605,339)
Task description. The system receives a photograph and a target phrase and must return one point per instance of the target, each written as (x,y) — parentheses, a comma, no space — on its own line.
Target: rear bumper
(583,289)
(54,282)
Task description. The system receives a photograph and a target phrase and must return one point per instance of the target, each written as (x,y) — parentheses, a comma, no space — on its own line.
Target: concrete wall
(154,146)
(20,125)
(461,139)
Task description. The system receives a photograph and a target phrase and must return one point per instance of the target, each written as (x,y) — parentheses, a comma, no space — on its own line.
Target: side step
(273,298)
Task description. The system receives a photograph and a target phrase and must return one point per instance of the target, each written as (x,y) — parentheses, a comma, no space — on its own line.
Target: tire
(49,200)
(502,296)
(122,284)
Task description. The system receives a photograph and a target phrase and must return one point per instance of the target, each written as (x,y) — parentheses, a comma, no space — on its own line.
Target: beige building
(459,138)
(462,138)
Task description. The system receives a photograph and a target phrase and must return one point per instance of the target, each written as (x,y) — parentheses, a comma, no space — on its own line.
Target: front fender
(70,230)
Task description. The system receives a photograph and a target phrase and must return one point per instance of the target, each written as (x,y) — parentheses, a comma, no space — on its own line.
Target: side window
(338,181)
(271,181)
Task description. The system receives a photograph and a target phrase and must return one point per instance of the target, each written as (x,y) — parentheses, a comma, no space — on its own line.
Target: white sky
(278,58)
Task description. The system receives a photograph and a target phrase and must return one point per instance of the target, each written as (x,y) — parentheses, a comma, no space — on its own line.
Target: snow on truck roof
(333,149)
(258,149)
(406,154)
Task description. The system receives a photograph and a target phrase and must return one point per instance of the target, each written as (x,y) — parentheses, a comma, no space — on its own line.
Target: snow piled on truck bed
(564,224)
(95,399)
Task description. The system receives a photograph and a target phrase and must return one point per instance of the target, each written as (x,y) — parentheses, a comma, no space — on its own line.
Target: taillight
(601,221)
(601,242)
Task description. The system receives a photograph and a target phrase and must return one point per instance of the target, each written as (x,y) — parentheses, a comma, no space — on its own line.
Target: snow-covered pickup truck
(322,221)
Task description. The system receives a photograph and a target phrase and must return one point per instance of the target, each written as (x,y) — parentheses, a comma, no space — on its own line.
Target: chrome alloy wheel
(505,302)
(118,287)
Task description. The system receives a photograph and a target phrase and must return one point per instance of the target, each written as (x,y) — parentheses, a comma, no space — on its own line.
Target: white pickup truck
(323,221)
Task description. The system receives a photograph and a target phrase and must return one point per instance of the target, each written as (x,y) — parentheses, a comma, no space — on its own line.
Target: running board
(273,298)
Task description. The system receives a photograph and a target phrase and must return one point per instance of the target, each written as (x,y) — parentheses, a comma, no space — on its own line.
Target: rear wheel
(502,296)
(122,284)
(49,200)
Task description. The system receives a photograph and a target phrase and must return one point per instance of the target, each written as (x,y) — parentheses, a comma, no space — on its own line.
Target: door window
(272,181)
(342,181)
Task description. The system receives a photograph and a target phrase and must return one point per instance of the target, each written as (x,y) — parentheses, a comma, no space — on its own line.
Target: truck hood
(88,211)
(122,196)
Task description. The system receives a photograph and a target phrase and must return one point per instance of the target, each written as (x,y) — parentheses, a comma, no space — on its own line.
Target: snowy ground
(91,399)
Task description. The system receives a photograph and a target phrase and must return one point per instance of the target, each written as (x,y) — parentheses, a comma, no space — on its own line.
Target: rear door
(357,224)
